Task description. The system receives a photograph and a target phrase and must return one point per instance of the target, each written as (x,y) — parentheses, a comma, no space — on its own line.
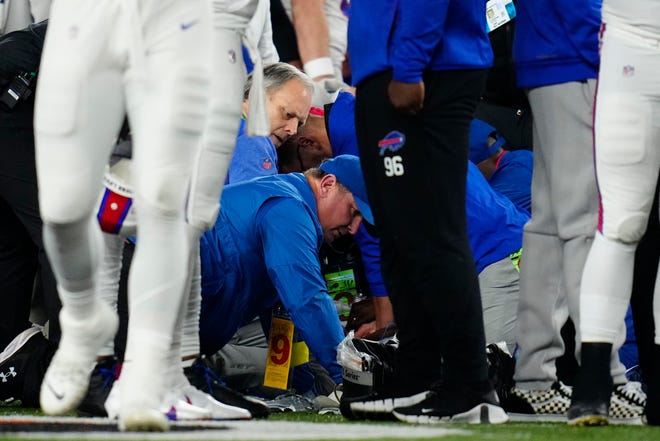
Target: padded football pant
(209,172)
(627,166)
(102,58)
(415,169)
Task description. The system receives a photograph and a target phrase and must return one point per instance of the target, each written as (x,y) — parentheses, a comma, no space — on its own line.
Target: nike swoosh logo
(186,26)
(58,395)
(427,410)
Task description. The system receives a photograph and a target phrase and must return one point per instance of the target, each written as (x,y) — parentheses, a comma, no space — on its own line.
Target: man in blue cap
(264,249)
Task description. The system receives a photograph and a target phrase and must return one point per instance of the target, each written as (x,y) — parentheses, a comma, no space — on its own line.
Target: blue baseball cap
(479,133)
(348,171)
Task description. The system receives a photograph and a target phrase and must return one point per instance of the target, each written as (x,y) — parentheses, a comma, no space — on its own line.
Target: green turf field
(339,428)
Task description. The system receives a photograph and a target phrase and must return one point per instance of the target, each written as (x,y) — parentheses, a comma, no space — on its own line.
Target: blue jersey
(556,41)
(513,177)
(264,248)
(411,36)
(494,223)
(253,156)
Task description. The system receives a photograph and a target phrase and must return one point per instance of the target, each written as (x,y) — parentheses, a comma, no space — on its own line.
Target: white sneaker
(67,378)
(218,410)
(175,407)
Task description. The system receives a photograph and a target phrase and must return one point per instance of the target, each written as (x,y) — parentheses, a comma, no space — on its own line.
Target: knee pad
(629,229)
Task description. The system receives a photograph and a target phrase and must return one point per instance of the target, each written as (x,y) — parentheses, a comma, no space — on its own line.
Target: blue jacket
(494,223)
(411,36)
(264,248)
(253,156)
(556,41)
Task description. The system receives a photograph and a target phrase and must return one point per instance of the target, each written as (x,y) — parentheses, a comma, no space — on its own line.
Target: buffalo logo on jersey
(267,164)
(393,141)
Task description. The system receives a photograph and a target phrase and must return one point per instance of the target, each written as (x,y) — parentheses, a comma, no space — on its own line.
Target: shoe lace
(337,392)
(632,391)
(564,389)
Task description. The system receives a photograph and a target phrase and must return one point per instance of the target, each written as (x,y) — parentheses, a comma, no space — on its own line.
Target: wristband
(319,67)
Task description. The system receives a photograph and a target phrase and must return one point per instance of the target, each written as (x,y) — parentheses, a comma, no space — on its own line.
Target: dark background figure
(503,104)
(22,255)
(644,280)
(414,104)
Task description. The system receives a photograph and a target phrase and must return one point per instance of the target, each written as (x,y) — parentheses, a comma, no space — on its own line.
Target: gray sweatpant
(558,237)
(499,286)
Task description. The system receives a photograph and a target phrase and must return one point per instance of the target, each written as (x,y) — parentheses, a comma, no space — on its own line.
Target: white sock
(605,290)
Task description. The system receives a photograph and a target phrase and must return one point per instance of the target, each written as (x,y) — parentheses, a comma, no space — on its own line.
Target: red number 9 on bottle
(280,349)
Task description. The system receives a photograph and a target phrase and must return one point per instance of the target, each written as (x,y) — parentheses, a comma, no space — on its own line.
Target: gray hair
(277,75)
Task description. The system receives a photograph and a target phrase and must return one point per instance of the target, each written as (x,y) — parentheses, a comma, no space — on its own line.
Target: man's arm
(290,243)
(313,38)
(417,31)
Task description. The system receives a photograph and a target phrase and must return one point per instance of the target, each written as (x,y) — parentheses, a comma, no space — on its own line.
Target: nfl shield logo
(628,70)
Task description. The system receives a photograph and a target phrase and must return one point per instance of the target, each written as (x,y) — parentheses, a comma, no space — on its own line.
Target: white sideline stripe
(241,430)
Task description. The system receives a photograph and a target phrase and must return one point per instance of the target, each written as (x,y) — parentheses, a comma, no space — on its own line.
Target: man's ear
(327,183)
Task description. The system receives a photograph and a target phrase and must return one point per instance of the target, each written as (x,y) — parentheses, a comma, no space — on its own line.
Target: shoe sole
(144,420)
(537,417)
(480,414)
(588,421)
(378,409)
(632,421)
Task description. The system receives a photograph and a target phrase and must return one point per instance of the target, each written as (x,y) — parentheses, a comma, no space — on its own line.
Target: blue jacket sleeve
(290,240)
(581,28)
(370,253)
(417,31)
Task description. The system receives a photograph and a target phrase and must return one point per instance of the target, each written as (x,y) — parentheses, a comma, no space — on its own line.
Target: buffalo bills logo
(267,164)
(393,141)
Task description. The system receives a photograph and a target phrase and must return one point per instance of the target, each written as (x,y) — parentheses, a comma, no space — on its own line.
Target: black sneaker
(13,362)
(501,366)
(202,375)
(376,405)
(445,404)
(100,383)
